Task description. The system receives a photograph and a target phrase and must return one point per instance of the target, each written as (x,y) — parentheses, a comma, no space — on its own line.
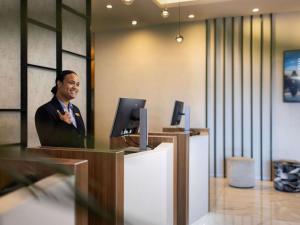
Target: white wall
(148,63)
(286,119)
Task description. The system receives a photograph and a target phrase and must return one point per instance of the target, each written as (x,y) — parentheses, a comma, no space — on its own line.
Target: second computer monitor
(127,119)
(177,113)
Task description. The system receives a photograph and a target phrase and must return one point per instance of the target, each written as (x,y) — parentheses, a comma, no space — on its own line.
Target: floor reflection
(262,205)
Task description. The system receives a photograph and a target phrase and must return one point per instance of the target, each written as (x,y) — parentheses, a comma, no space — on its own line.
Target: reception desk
(136,188)
(105,176)
(191,178)
(191,165)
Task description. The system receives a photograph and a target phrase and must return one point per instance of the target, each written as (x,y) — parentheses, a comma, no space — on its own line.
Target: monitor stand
(143,129)
(187,113)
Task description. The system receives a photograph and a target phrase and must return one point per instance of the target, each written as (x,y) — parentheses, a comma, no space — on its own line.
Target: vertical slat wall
(238,91)
(210,92)
(266,100)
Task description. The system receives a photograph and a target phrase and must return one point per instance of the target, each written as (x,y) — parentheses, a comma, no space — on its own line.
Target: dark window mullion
(10,110)
(89,88)
(24,48)
(73,53)
(40,24)
(58,36)
(41,67)
(74,11)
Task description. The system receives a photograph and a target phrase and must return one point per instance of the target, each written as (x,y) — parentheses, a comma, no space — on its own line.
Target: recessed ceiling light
(134,22)
(127,2)
(191,16)
(109,6)
(255,10)
(165,13)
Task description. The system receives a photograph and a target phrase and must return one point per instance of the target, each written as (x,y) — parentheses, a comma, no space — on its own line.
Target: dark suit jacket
(53,131)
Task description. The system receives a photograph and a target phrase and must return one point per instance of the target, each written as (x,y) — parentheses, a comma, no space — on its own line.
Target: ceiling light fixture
(109,6)
(179,38)
(127,2)
(165,13)
(134,22)
(191,16)
(255,10)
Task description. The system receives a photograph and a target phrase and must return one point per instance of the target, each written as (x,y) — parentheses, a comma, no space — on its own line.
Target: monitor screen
(127,119)
(177,113)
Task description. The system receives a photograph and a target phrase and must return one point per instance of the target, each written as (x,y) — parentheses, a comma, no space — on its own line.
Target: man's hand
(65,117)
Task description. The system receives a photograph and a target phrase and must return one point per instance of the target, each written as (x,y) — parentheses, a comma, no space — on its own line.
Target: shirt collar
(65,108)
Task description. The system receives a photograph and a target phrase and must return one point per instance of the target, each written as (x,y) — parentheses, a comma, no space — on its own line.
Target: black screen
(177,113)
(127,119)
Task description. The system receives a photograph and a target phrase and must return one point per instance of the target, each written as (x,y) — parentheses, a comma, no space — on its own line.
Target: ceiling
(147,12)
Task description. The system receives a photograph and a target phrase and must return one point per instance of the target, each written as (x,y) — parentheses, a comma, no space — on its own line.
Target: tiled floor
(261,205)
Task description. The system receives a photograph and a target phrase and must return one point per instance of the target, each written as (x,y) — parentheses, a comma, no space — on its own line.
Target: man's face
(69,87)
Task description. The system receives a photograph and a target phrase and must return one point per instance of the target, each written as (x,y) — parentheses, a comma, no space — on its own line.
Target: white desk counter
(198,177)
(149,186)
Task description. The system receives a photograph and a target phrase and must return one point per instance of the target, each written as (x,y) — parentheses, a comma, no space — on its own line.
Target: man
(59,122)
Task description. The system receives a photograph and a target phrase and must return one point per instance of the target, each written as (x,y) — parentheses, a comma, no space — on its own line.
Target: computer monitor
(127,119)
(177,113)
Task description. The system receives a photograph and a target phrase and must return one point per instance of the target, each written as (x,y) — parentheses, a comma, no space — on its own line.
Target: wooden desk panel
(194,131)
(106,180)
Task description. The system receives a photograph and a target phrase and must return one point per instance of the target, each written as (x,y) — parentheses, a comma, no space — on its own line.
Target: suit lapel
(79,121)
(57,105)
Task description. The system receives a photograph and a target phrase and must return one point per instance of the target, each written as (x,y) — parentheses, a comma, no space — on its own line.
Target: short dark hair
(61,77)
